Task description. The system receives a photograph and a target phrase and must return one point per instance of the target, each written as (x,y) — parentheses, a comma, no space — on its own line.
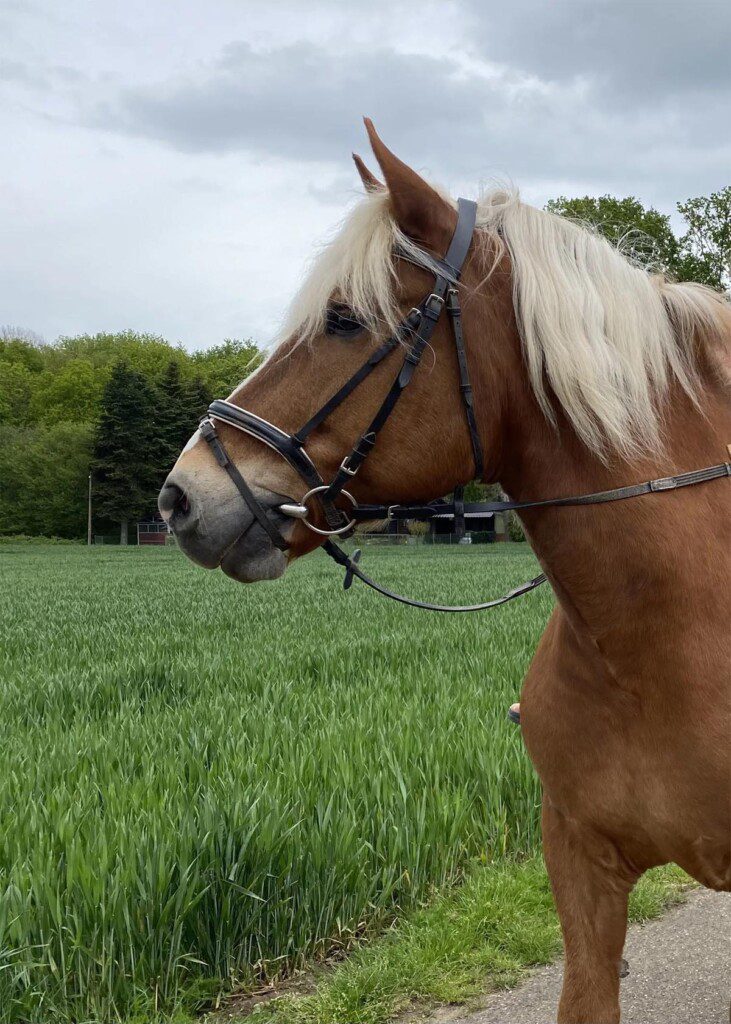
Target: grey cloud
(213,159)
(655,48)
(302,103)
(72,76)
(296,102)
(17,72)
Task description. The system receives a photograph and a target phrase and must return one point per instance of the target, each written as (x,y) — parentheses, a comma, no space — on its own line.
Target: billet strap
(352,568)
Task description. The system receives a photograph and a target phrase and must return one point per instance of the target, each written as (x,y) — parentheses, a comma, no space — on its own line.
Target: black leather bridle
(412,336)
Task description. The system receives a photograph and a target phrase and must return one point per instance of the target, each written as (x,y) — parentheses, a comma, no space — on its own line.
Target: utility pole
(88,517)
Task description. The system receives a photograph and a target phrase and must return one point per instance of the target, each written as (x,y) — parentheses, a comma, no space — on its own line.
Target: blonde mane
(601,334)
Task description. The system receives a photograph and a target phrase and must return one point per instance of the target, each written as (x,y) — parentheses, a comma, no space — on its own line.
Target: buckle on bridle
(328,533)
(345,468)
(433,306)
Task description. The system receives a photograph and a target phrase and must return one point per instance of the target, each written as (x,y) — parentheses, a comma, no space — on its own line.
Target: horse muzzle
(216,531)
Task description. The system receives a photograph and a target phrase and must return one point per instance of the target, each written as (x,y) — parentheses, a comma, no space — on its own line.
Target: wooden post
(88,518)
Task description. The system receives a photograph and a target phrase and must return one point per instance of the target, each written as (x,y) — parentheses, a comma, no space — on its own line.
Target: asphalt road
(680,973)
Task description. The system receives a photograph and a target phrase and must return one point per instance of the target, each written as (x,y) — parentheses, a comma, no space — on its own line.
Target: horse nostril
(173,501)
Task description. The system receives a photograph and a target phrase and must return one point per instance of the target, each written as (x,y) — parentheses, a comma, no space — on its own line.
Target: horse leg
(591,885)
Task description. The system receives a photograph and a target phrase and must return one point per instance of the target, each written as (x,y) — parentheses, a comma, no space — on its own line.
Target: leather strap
(353,569)
(208,431)
(428,315)
(446,510)
(462,237)
(459,517)
(424,321)
(457,510)
(262,430)
(455,315)
(301,435)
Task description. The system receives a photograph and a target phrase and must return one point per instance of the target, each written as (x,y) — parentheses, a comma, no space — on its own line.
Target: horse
(588,373)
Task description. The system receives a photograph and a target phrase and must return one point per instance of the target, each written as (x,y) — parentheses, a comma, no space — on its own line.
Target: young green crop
(201,780)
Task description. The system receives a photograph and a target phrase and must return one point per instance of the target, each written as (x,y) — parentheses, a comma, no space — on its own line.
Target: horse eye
(340,320)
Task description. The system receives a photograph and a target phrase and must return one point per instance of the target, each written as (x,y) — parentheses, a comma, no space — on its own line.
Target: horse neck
(621,567)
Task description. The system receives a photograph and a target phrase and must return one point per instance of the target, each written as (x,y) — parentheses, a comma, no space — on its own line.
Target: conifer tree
(126,469)
(174,415)
(200,398)
(181,405)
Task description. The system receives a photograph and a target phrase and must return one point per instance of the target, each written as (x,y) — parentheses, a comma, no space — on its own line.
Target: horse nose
(174,504)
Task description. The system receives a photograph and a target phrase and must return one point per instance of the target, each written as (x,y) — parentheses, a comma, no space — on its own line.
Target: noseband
(413,334)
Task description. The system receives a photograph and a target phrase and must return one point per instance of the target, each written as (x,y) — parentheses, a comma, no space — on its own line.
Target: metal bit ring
(316,529)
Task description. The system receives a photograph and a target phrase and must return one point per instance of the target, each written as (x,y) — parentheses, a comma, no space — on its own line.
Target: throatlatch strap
(455,314)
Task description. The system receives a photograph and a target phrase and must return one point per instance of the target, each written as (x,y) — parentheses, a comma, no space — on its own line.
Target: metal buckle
(346,469)
(328,533)
(664,483)
(411,322)
(431,312)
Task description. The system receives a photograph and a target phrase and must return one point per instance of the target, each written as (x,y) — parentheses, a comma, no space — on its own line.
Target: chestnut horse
(588,374)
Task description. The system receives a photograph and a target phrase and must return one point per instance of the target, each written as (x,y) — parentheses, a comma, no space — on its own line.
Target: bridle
(413,335)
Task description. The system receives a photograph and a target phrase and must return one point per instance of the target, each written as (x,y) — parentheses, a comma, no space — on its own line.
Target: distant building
(153,530)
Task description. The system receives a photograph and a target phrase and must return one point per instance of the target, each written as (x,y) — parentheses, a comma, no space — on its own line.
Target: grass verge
(471,939)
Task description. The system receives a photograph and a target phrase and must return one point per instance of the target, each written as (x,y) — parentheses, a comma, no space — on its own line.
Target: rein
(414,332)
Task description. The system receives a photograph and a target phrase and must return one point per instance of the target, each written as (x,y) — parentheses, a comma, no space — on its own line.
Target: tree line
(117,406)
(121,406)
(701,252)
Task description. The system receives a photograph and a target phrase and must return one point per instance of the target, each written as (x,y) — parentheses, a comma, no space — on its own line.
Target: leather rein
(413,335)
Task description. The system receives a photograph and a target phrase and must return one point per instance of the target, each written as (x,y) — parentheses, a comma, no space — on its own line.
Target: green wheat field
(202,783)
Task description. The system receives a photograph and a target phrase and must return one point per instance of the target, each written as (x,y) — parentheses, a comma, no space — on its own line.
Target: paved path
(680,973)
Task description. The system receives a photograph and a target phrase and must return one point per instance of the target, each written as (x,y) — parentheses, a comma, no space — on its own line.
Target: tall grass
(200,780)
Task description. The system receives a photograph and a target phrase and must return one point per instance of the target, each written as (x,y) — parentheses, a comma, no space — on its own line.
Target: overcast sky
(168,166)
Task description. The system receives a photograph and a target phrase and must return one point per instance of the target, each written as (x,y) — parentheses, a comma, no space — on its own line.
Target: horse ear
(420,211)
(370,181)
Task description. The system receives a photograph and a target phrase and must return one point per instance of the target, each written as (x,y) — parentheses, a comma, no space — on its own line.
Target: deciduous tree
(642,233)
(705,249)
(44,471)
